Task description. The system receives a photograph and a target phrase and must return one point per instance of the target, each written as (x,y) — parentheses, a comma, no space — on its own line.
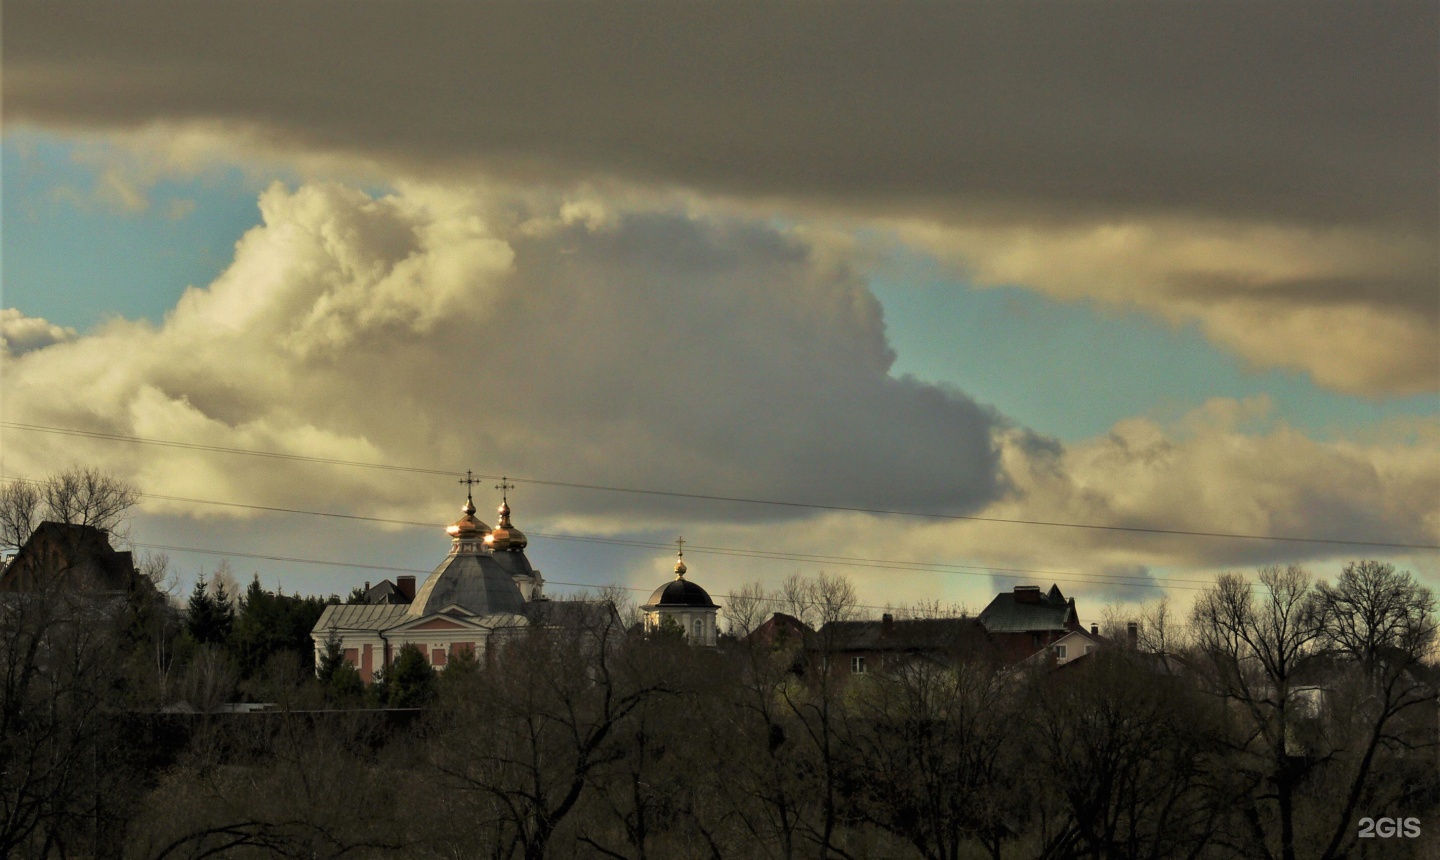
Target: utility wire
(93,434)
(393,569)
(810,558)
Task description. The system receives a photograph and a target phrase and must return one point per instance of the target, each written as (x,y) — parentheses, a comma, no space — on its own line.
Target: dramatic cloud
(20,334)
(518,333)
(1357,309)
(1097,137)
(573,338)
(1227,467)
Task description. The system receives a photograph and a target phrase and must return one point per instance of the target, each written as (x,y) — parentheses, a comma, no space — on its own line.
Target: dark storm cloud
(1300,112)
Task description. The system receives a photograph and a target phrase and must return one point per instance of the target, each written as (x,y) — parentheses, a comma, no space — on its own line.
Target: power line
(94,434)
(1101,579)
(387,568)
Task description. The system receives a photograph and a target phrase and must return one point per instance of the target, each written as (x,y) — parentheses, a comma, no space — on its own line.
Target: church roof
(474,581)
(680,591)
(361,616)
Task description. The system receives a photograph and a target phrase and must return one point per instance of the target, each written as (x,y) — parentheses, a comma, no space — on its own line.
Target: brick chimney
(1027,594)
(887,624)
(1094,629)
(406,586)
(1132,635)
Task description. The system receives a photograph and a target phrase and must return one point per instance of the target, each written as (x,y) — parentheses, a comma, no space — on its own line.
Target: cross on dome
(469,481)
(503,486)
(680,558)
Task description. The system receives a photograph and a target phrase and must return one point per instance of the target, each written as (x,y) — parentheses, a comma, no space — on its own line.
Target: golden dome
(505,536)
(467,527)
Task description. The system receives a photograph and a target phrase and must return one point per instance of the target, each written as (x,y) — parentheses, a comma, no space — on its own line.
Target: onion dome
(505,537)
(467,527)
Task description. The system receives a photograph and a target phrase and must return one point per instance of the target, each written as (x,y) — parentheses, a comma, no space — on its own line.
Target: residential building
(1024,621)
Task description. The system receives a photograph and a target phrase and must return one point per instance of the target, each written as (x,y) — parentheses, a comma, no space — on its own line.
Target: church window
(699,626)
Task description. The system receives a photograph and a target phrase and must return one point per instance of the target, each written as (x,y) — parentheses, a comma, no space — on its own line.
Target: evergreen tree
(201,616)
(340,680)
(410,681)
(271,623)
(224,610)
(332,658)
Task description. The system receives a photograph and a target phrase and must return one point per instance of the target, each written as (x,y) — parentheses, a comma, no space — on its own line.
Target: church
(483,588)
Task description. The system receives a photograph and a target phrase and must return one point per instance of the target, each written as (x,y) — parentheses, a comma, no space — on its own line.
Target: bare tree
(746,609)
(928,756)
(624,602)
(826,602)
(1381,622)
(1253,647)
(77,496)
(820,600)
(88,497)
(1158,631)
(20,508)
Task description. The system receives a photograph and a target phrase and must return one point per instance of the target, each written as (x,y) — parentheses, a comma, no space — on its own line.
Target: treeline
(1280,714)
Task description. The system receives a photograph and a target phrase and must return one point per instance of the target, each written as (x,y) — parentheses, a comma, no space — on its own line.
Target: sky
(1114,295)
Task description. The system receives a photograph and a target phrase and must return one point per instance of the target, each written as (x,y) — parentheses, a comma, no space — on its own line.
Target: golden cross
(502,487)
(680,546)
(468,480)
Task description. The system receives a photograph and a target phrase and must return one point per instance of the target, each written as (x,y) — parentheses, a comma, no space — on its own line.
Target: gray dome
(472,581)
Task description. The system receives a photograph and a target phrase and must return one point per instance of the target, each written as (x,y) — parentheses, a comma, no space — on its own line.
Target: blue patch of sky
(1072,370)
(77,260)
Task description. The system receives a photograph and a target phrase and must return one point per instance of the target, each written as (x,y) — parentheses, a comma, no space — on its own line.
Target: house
(73,558)
(1021,622)
(1068,648)
(780,631)
(860,647)
(401,591)
(483,588)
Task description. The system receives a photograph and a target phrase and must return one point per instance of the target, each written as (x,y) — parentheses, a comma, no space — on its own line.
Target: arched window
(699,626)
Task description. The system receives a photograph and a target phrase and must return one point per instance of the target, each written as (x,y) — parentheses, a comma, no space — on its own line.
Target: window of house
(857,665)
(1060,652)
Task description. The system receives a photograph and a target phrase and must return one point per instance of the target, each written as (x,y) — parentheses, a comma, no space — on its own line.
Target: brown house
(70,558)
(1024,621)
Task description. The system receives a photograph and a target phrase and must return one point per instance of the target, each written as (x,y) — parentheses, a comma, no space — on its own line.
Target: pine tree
(201,615)
(410,682)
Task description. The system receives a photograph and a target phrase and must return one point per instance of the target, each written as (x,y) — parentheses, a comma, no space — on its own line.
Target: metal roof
(361,616)
(474,581)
